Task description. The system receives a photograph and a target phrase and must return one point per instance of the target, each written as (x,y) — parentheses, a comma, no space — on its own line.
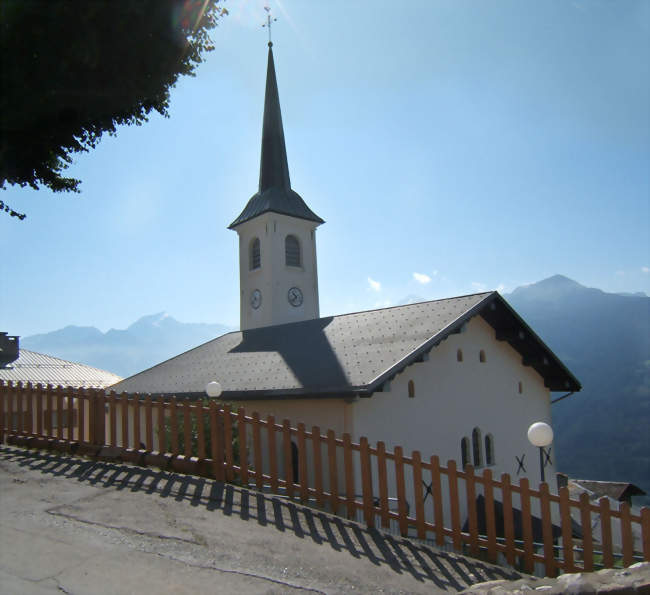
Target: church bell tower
(277,234)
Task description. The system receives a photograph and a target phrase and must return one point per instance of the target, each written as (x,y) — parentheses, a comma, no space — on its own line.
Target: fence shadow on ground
(426,564)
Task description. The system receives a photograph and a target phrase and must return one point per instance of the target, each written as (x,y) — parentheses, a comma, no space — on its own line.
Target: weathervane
(269,20)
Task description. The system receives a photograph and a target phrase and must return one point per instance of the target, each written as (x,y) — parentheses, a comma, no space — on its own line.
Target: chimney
(9,349)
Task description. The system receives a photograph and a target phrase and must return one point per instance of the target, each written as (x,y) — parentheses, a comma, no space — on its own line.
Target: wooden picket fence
(332,472)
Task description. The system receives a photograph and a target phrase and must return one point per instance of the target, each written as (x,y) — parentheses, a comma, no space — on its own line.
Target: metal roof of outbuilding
(339,356)
(45,369)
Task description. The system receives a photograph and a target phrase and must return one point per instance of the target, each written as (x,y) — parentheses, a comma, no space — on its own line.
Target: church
(462,378)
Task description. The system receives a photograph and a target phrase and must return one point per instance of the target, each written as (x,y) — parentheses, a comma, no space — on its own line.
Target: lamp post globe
(213,389)
(540,434)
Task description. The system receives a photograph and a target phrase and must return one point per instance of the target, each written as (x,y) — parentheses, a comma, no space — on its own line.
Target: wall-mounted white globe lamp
(213,389)
(540,434)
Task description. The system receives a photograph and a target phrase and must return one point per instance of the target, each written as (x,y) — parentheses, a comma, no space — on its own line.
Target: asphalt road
(71,525)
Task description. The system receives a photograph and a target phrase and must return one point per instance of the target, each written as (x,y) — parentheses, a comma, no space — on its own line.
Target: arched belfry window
(476,447)
(464,452)
(254,255)
(489,450)
(292,251)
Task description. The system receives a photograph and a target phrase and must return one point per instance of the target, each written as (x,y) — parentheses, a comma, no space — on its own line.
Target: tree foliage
(72,70)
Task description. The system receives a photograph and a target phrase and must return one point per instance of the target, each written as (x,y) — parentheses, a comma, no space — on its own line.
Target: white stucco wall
(274,278)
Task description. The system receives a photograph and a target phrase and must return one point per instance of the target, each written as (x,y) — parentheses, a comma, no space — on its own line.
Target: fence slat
(160,423)
(318,464)
(645,532)
(490,521)
(187,429)
(454,504)
(3,405)
(333,471)
(19,409)
(215,440)
(30,409)
(201,413)
(626,534)
(173,426)
(287,458)
(472,521)
(508,521)
(257,452)
(272,449)
(587,539)
(227,442)
(366,483)
(136,422)
(70,416)
(547,530)
(303,475)
(243,445)
(417,495)
(148,423)
(112,422)
(606,532)
(382,480)
(124,414)
(39,411)
(567,530)
(526,526)
(436,497)
(49,411)
(349,475)
(59,413)
(81,415)
(402,506)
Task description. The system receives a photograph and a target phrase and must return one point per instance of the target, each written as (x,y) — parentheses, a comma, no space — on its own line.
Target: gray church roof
(275,193)
(340,356)
(39,368)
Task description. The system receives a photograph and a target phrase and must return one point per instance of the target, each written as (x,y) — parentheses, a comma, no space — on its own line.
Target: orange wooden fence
(420,497)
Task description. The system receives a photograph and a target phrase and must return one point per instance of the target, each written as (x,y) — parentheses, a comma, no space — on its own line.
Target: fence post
(567,530)
(626,534)
(136,422)
(587,539)
(382,480)
(401,491)
(215,442)
(148,423)
(113,417)
(606,532)
(173,425)
(59,412)
(527,526)
(417,495)
(3,401)
(70,413)
(318,464)
(288,461)
(490,521)
(547,530)
(366,483)
(508,521)
(187,429)
(257,452)
(19,408)
(436,497)
(470,492)
(160,423)
(349,475)
(303,474)
(97,418)
(333,470)
(454,504)
(645,532)
(200,431)
(124,414)
(243,446)
(273,455)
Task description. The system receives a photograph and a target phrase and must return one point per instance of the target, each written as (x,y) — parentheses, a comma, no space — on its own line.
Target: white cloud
(501,288)
(422,278)
(374,285)
(645,269)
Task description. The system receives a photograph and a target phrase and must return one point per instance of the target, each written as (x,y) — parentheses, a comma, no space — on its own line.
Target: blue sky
(451,147)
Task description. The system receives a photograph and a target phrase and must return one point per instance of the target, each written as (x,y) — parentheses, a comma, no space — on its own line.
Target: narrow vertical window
(520,387)
(464,452)
(292,251)
(411,389)
(254,256)
(481,356)
(476,447)
(459,355)
(489,450)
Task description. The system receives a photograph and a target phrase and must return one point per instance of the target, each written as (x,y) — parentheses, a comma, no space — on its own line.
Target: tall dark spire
(275,193)
(274,169)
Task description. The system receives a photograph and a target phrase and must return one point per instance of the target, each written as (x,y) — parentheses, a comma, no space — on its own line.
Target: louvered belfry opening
(292,251)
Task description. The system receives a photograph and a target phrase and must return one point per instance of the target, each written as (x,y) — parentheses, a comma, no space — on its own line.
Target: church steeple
(277,234)
(274,169)
(275,193)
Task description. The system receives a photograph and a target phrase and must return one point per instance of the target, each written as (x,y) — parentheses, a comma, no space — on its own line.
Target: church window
(411,389)
(464,452)
(292,251)
(489,450)
(481,356)
(459,355)
(255,259)
(476,447)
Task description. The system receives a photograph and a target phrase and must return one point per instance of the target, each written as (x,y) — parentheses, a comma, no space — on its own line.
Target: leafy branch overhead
(72,70)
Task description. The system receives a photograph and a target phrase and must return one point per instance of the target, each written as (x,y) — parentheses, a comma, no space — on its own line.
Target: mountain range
(601,432)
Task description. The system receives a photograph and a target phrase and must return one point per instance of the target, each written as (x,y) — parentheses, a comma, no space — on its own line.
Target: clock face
(256,299)
(294,296)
